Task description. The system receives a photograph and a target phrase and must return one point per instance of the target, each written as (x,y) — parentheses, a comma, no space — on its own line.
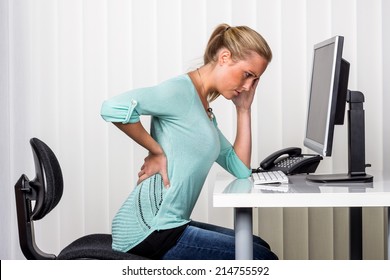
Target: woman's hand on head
(244,100)
(153,164)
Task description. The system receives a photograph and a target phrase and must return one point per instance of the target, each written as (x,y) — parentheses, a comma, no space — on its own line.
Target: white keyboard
(269,177)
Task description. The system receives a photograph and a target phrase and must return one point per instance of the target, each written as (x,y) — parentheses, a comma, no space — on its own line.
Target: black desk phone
(290,161)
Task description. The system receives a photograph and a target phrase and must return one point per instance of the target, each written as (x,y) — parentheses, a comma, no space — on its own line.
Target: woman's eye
(248,75)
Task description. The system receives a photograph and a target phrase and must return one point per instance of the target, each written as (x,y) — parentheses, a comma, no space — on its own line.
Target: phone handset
(269,161)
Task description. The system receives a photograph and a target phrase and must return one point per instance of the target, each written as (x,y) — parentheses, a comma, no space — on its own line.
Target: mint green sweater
(192,143)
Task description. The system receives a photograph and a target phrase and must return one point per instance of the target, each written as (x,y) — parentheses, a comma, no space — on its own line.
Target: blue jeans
(209,242)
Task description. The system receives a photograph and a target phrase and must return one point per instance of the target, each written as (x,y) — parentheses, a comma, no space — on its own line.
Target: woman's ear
(224,56)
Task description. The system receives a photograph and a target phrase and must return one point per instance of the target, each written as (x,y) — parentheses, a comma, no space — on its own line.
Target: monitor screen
(328,89)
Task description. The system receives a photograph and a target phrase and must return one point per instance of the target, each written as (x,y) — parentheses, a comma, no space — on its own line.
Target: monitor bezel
(325,148)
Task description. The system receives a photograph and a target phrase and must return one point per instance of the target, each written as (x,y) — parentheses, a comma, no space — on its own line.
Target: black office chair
(36,198)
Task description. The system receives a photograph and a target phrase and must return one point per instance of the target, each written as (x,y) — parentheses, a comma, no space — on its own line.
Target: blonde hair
(241,41)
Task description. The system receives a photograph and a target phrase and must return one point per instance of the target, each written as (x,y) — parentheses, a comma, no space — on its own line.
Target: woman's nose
(247,85)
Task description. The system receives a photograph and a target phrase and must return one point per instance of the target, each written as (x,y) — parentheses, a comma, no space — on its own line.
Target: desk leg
(355,233)
(243,233)
(388,233)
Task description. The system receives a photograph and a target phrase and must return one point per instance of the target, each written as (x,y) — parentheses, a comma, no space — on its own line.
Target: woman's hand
(244,100)
(153,164)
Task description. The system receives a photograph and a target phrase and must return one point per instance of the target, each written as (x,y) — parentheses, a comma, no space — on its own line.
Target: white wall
(59,59)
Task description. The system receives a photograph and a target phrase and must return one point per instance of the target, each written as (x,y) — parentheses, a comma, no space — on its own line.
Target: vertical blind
(59,59)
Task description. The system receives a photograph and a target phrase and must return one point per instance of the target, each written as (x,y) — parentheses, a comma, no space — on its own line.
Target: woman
(183,143)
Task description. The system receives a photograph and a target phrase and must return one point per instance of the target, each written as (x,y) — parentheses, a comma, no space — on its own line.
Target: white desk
(241,195)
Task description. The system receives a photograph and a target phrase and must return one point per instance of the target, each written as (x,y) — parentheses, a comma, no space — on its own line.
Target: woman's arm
(137,132)
(163,100)
(156,161)
(243,142)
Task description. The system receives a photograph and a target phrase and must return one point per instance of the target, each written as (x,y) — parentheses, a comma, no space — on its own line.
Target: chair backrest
(45,190)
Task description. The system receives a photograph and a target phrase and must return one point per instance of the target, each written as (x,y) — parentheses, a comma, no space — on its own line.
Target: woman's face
(235,77)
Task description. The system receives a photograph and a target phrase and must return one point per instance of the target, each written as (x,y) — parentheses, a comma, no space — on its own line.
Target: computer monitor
(328,90)
(327,101)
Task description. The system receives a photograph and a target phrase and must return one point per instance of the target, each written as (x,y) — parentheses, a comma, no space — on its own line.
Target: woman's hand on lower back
(154,164)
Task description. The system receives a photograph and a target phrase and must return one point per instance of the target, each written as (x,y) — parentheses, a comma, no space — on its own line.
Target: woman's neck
(201,78)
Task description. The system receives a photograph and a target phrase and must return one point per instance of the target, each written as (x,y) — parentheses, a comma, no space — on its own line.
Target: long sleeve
(167,100)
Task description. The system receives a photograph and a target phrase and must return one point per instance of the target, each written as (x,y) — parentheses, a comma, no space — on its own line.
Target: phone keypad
(289,162)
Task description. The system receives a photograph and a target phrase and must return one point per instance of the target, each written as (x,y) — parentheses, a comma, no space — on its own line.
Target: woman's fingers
(154,164)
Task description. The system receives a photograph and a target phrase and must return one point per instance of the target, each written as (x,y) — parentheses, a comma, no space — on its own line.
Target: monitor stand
(356,146)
